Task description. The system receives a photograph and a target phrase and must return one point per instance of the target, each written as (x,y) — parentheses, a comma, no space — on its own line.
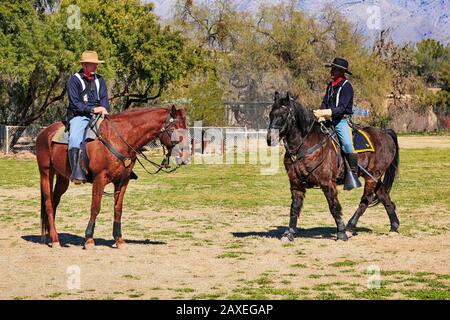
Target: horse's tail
(43,160)
(45,226)
(392,171)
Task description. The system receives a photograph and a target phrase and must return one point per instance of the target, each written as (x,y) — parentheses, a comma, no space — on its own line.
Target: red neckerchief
(88,76)
(335,83)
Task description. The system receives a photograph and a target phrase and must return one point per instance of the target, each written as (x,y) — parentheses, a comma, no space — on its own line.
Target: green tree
(145,56)
(281,48)
(431,55)
(32,68)
(40,49)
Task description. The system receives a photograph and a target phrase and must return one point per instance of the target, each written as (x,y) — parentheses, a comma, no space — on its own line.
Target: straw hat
(90,56)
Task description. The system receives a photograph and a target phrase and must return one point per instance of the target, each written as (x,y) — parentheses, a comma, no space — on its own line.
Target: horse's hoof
(54,244)
(342,236)
(120,244)
(394,227)
(287,237)
(89,244)
(393,232)
(351,230)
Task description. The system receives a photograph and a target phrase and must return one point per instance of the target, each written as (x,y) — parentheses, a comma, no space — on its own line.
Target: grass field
(212,232)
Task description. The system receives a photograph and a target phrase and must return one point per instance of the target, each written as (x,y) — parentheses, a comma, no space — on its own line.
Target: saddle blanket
(362,142)
(62,136)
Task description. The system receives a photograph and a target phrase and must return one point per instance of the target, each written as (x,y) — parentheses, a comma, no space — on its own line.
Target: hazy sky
(163,8)
(409,20)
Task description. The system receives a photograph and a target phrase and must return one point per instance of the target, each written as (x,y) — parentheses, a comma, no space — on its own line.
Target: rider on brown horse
(337,105)
(88,95)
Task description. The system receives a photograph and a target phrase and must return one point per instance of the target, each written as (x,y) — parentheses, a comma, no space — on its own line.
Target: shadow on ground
(317,233)
(67,239)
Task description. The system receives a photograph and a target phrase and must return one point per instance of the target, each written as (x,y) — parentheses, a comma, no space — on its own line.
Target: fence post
(6,140)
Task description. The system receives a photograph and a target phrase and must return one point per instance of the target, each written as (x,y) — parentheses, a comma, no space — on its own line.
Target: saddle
(361,143)
(62,134)
(361,140)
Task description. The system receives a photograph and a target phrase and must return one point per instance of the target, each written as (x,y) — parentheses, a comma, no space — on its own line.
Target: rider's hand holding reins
(101,110)
(322,114)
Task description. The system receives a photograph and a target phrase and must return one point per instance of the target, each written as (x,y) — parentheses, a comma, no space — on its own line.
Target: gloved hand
(322,113)
(100,109)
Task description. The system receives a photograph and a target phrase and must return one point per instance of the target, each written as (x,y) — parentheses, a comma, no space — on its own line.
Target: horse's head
(281,118)
(174,135)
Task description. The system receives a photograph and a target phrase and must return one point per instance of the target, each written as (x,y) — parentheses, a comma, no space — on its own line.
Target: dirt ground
(413,142)
(217,253)
(222,254)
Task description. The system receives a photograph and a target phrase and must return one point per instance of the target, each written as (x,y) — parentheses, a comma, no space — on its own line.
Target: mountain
(409,20)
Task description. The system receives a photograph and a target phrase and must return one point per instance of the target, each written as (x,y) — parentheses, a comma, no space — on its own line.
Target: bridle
(126,161)
(169,129)
(288,122)
(298,153)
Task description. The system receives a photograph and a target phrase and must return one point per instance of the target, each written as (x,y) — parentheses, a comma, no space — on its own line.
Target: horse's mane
(303,118)
(137,111)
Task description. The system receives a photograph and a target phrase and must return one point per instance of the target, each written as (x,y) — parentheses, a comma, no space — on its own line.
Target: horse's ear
(173,111)
(277,96)
(288,95)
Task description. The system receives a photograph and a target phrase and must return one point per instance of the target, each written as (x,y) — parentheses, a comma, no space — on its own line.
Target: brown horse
(311,160)
(127,132)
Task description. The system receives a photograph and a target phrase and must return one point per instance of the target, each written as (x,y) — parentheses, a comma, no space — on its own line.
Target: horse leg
(47,212)
(118,202)
(97,192)
(366,199)
(389,205)
(296,205)
(61,186)
(330,192)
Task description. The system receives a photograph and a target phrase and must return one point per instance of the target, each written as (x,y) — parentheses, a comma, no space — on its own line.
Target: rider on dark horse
(337,106)
(88,95)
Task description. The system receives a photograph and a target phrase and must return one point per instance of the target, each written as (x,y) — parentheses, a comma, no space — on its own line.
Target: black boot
(133,176)
(77,176)
(351,179)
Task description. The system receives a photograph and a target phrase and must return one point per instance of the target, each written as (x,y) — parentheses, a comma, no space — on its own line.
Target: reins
(299,154)
(126,161)
(139,153)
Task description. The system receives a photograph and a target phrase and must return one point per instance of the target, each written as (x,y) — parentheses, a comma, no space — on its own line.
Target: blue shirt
(77,105)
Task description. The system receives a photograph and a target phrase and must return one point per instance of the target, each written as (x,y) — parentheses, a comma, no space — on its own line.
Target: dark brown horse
(311,160)
(135,128)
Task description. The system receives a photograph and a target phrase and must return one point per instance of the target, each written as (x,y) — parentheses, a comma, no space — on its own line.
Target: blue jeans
(77,126)
(345,135)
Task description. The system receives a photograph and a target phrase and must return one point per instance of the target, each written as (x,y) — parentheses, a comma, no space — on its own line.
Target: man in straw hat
(337,106)
(87,95)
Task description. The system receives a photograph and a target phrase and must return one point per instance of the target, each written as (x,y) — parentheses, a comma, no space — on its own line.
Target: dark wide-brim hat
(340,64)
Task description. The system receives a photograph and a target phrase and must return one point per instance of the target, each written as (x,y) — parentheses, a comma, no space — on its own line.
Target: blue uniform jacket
(77,105)
(342,105)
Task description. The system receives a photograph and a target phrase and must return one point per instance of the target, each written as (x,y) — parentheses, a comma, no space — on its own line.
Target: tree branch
(28,120)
